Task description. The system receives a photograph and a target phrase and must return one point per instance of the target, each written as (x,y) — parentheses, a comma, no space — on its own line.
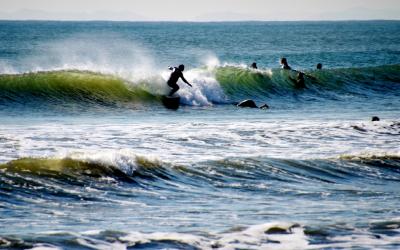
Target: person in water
(299,82)
(319,66)
(254,65)
(174,77)
(284,63)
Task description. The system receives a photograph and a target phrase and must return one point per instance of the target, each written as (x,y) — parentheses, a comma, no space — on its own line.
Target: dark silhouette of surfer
(319,66)
(285,64)
(254,65)
(174,77)
(299,82)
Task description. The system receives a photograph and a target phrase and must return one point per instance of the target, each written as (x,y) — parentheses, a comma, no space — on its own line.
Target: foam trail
(206,89)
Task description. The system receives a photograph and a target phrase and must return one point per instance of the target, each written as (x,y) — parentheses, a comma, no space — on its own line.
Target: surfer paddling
(174,77)
(299,82)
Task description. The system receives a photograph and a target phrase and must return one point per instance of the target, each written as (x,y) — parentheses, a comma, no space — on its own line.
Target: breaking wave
(139,170)
(218,85)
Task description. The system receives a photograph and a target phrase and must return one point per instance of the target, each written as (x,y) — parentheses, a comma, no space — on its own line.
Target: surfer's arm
(309,76)
(183,79)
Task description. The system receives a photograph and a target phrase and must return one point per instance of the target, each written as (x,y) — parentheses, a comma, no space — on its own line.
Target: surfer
(254,65)
(319,66)
(174,77)
(285,64)
(300,76)
(299,82)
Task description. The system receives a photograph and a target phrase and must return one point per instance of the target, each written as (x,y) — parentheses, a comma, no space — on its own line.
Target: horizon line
(198,21)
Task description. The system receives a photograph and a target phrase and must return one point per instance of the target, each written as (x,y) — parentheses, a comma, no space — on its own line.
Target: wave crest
(218,85)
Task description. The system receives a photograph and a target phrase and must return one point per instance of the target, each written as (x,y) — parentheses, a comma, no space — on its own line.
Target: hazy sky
(199,10)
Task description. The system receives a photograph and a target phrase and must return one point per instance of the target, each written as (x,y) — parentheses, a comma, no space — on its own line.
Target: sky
(199,10)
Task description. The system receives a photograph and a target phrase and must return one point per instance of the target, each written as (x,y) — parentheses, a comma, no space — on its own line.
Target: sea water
(91,159)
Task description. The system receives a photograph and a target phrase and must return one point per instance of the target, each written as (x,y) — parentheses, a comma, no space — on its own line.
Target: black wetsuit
(173,79)
(300,84)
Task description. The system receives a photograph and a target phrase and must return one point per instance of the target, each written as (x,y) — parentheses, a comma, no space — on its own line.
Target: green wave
(85,87)
(142,167)
(67,86)
(242,82)
(63,168)
(75,169)
(237,80)
(59,177)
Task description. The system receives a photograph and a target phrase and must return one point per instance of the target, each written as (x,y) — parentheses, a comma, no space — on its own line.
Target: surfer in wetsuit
(285,64)
(174,77)
(299,82)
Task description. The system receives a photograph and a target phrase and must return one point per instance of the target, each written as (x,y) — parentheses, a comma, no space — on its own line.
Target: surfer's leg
(175,88)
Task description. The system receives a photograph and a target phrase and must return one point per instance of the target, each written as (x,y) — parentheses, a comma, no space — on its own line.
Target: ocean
(90,158)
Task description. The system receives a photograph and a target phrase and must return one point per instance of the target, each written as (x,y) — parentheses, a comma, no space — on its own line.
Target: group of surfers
(177,72)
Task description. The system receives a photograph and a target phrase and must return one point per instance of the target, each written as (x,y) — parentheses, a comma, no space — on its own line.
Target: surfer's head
(181,67)
(319,66)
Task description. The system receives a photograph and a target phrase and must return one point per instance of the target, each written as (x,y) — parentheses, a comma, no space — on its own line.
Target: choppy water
(91,159)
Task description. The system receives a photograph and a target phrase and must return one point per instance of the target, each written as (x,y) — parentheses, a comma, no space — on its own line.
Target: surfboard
(247,104)
(171,102)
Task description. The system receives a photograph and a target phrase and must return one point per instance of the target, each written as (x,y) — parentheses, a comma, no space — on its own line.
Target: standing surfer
(174,77)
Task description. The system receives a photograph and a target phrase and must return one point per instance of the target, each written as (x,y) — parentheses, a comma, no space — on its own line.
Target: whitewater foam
(206,89)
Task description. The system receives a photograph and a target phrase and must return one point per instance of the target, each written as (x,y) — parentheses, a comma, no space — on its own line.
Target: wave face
(128,169)
(63,87)
(259,83)
(230,83)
